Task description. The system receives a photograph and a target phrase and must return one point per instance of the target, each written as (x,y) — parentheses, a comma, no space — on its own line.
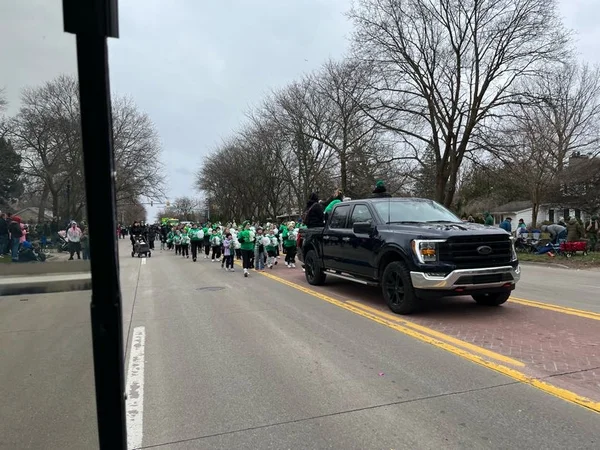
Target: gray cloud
(195,66)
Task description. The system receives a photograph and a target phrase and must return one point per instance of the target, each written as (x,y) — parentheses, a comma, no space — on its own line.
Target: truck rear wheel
(491,299)
(397,288)
(312,269)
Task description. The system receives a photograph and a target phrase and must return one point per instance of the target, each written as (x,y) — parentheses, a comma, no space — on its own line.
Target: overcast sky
(197,65)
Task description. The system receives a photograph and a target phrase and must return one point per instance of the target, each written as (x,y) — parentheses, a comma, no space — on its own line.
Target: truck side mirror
(362,228)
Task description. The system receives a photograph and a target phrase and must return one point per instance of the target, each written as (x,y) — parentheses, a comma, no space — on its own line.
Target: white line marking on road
(134,405)
(143,261)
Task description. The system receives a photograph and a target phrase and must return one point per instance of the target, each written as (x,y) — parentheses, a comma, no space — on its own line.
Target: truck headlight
(426,251)
(513,250)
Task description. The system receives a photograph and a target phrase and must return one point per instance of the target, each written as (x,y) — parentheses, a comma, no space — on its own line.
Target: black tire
(132,254)
(397,288)
(491,299)
(312,269)
(149,254)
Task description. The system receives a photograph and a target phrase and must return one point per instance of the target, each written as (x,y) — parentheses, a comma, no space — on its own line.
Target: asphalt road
(227,362)
(567,287)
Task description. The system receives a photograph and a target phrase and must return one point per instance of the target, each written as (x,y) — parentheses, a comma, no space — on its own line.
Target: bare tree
(442,67)
(330,102)
(130,211)
(47,135)
(308,161)
(537,138)
(137,153)
(567,98)
(3,101)
(186,208)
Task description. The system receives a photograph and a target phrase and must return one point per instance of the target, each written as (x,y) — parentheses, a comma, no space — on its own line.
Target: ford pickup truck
(412,249)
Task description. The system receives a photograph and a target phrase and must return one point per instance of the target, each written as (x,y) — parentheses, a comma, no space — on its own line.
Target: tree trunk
(55,206)
(440,186)
(42,206)
(534,214)
(343,173)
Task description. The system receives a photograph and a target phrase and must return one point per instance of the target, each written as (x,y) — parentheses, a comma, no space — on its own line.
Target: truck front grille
(465,253)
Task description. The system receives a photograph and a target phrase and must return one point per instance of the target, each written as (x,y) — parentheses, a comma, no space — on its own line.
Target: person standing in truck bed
(380,190)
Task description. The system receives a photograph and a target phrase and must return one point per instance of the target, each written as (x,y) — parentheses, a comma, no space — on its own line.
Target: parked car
(413,249)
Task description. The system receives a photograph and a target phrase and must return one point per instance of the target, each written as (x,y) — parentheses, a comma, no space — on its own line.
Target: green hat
(244,223)
(379,184)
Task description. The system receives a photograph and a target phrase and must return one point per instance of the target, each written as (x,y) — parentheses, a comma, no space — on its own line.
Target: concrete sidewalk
(44,278)
(45,284)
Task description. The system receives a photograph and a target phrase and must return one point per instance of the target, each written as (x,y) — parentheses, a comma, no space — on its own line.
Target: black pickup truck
(412,248)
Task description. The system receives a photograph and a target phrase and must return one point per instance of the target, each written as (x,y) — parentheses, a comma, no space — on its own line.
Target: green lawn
(579,261)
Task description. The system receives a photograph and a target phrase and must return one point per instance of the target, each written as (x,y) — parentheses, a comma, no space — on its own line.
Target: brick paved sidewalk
(562,349)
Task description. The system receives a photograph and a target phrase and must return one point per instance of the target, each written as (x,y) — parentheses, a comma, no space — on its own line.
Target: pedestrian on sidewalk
(593,230)
(85,244)
(74,240)
(14,228)
(4,235)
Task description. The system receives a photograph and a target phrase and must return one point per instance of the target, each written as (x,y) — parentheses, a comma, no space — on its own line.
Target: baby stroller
(140,247)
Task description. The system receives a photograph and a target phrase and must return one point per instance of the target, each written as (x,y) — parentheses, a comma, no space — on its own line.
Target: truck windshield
(414,211)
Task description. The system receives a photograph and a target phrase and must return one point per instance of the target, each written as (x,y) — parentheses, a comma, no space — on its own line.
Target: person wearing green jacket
(196,239)
(185,244)
(246,240)
(207,231)
(170,235)
(289,244)
(216,240)
(272,248)
(177,242)
(489,220)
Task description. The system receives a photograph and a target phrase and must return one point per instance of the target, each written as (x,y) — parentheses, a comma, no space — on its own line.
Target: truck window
(360,213)
(339,216)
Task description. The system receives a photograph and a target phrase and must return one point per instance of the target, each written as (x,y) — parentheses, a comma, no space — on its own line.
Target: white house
(523,210)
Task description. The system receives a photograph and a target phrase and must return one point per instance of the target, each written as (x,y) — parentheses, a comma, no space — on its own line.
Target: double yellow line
(556,308)
(465,350)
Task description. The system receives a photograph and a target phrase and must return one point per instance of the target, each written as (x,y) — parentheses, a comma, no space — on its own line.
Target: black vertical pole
(92,21)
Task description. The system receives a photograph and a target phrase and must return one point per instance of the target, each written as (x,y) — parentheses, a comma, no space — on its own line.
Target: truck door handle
(325,238)
(346,239)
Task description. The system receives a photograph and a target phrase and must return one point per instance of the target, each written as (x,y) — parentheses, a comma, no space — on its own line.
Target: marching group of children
(257,247)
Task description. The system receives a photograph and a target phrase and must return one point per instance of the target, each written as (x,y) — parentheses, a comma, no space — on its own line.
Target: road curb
(46,284)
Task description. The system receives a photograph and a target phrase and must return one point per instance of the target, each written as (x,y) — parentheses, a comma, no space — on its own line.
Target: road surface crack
(321,416)
(569,373)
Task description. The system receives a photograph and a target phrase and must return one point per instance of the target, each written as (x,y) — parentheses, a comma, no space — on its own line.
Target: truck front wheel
(397,288)
(491,299)
(312,269)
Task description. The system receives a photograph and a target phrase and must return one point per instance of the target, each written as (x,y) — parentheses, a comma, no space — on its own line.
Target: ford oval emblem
(484,250)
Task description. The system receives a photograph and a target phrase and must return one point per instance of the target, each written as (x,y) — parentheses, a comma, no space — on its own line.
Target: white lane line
(143,261)
(134,405)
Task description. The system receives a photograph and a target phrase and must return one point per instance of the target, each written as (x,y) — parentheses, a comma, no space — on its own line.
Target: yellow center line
(442,336)
(556,391)
(556,308)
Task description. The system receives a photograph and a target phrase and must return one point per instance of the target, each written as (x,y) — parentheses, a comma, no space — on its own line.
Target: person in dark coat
(136,230)
(380,190)
(313,214)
